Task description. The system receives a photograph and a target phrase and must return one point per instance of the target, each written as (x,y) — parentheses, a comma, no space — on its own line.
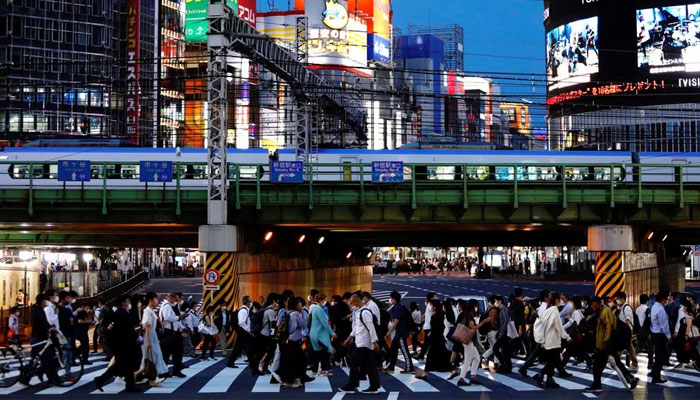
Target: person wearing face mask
(551,348)
(222,320)
(127,354)
(400,317)
(172,337)
(660,334)
(427,318)
(320,337)
(365,338)
(626,315)
(438,358)
(502,346)
(468,314)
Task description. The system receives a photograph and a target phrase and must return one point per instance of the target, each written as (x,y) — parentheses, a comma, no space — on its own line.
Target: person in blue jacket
(320,337)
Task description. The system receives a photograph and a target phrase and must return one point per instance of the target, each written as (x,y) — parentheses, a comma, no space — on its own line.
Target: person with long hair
(468,314)
(292,360)
(438,358)
(208,329)
(551,348)
(151,346)
(685,332)
(320,337)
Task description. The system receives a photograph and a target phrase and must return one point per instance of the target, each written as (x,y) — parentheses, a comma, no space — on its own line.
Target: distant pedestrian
(13,322)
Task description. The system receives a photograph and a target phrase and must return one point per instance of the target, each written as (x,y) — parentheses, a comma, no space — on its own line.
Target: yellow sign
(336,15)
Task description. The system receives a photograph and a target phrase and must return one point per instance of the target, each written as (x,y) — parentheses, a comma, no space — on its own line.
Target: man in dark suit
(127,352)
(222,320)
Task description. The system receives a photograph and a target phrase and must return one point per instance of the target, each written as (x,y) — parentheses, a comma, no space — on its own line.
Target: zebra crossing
(214,378)
(385,295)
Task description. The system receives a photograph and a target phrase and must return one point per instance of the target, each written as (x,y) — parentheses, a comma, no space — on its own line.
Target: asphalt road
(212,380)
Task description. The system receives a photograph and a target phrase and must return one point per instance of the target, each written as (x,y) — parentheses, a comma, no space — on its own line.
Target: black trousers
(173,340)
(600,360)
(660,354)
(532,357)
(243,345)
(84,348)
(362,363)
(502,350)
(95,338)
(119,368)
(208,344)
(399,343)
(320,357)
(426,344)
(553,358)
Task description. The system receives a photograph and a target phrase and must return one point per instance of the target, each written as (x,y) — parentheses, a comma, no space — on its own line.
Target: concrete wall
(261,274)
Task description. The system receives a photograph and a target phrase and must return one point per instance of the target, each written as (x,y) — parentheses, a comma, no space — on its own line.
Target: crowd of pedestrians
(285,335)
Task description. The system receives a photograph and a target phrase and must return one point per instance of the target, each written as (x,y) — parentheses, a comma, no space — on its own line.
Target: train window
(250,172)
(603,174)
(478,173)
(407,175)
(96,172)
(441,173)
(130,171)
(199,172)
(21,171)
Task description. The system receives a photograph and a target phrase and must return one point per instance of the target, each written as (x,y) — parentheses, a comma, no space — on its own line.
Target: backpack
(622,336)
(282,333)
(538,331)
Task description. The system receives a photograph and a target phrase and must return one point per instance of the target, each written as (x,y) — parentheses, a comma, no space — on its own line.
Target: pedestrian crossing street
(212,377)
(385,295)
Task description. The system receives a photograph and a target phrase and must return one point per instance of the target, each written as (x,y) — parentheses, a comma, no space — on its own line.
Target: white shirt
(52,316)
(681,317)
(428,317)
(98,311)
(168,317)
(553,330)
(13,323)
(566,311)
(375,310)
(626,313)
(191,321)
(576,317)
(244,318)
(363,328)
(642,314)
(541,309)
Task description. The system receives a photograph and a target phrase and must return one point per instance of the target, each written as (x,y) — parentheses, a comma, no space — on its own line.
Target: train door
(347,167)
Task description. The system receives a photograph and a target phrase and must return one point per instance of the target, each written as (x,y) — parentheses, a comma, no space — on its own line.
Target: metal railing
(33,176)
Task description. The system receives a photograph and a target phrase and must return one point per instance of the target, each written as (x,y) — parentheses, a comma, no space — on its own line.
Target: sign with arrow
(74,171)
(287,171)
(156,171)
(387,171)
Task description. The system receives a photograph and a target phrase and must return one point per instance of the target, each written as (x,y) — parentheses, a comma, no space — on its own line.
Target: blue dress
(149,319)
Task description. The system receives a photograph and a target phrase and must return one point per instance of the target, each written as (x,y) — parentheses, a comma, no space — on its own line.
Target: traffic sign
(387,171)
(212,288)
(156,171)
(211,277)
(287,171)
(74,171)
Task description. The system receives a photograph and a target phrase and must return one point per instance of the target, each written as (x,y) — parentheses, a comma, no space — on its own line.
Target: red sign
(629,88)
(211,277)
(247,11)
(132,69)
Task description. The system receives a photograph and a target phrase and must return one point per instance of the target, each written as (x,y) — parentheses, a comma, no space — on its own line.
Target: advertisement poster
(668,39)
(133,24)
(572,53)
(196,24)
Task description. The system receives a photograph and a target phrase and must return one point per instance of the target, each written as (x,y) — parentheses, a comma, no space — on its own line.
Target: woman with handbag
(207,328)
(686,336)
(467,333)
(152,363)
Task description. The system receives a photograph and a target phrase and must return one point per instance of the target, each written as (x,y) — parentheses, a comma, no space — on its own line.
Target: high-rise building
(171,77)
(59,69)
(452,35)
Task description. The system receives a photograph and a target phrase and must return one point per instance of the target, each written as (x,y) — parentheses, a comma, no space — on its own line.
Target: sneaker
(370,390)
(453,375)
(593,389)
(346,389)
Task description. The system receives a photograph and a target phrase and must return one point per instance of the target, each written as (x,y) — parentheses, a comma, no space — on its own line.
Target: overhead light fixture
(651,235)
(664,239)
(349,255)
(268,236)
(302,238)
(369,255)
(321,239)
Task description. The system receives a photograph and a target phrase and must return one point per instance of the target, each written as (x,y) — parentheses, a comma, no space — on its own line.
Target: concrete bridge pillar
(219,243)
(609,242)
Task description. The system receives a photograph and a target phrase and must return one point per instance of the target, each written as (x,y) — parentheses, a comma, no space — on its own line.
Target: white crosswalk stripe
(385,295)
(221,380)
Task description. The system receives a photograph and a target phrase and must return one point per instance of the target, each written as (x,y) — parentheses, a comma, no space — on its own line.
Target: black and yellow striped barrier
(229,284)
(609,278)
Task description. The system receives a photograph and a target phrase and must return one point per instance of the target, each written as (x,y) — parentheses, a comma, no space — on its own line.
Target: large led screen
(572,53)
(668,39)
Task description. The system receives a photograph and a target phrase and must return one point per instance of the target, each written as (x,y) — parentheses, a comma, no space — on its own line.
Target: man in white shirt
(362,359)
(426,325)
(377,315)
(566,308)
(52,312)
(242,336)
(626,315)
(169,315)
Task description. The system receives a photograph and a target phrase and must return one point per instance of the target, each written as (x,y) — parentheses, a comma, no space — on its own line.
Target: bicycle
(52,360)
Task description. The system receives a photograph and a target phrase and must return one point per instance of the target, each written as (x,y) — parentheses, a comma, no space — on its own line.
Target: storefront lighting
(268,236)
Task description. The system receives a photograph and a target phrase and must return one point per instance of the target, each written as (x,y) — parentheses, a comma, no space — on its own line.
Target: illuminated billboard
(377,14)
(196,24)
(336,37)
(572,53)
(668,39)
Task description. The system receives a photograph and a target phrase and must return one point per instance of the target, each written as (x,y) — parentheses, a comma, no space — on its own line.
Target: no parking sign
(211,279)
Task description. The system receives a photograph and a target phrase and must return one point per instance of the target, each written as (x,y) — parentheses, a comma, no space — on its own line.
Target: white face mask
(618,302)
(54,299)
(128,307)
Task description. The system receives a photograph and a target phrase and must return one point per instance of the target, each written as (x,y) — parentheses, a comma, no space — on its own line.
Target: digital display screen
(668,39)
(572,53)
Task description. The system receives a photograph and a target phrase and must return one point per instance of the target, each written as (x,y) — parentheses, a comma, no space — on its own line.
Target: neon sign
(607,90)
